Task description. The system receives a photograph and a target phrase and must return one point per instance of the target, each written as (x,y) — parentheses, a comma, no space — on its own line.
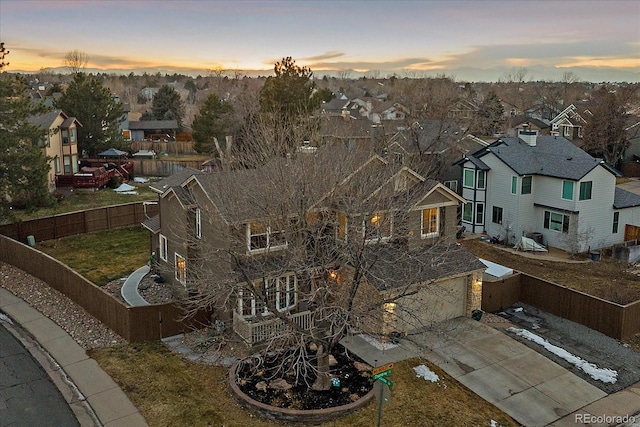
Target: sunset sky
(469,40)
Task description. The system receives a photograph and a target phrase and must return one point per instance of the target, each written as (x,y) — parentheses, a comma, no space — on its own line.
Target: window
(468,178)
(378,227)
(198,223)
(567,190)
(66,160)
(341,230)
(73,134)
(280,293)
(616,221)
(585,190)
(181,269)
(163,247)
(481,180)
(514,185)
(556,221)
(74,163)
(56,164)
(401,183)
(479,213)
(496,217)
(65,137)
(430,222)
(467,212)
(285,289)
(452,185)
(567,131)
(526,184)
(261,237)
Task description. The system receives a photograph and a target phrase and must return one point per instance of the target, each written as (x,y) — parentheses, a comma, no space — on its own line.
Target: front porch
(255,330)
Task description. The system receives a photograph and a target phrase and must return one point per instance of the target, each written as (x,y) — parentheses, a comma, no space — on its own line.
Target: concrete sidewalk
(81,381)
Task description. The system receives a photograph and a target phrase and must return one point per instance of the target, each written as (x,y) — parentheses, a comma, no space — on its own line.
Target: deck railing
(253,331)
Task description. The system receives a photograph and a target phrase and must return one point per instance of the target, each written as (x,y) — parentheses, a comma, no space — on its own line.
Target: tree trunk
(323,380)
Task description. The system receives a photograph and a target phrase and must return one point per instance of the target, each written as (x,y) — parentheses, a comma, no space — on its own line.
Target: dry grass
(170,391)
(608,278)
(103,256)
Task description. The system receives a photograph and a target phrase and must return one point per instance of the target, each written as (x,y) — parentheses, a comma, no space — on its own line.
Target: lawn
(103,256)
(78,200)
(170,391)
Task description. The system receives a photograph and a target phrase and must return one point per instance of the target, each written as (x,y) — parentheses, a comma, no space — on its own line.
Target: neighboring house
(546,187)
(224,212)
(516,124)
(152,130)
(570,122)
(60,143)
(463,109)
(431,147)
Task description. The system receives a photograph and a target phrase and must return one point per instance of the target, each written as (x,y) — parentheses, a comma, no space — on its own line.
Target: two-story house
(293,227)
(59,143)
(548,187)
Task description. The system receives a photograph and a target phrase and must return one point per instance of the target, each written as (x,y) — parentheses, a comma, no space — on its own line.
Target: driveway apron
(532,389)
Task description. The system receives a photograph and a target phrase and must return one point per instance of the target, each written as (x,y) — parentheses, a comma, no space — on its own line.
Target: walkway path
(78,377)
(129,290)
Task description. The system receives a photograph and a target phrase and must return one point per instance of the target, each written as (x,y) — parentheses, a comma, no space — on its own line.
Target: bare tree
(76,61)
(313,247)
(605,131)
(3,52)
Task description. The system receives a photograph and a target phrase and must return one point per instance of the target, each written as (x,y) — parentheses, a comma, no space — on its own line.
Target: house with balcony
(545,187)
(59,143)
(292,229)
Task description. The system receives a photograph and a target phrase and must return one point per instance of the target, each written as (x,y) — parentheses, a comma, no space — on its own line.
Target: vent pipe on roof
(528,136)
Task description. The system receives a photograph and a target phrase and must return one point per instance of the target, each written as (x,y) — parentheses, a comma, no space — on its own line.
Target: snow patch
(377,344)
(517,309)
(426,373)
(601,374)
(5,318)
(140,180)
(124,187)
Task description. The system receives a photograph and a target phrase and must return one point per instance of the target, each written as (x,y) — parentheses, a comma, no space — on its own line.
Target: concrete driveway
(532,389)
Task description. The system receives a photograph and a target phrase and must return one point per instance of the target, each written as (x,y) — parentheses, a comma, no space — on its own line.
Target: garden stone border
(297,416)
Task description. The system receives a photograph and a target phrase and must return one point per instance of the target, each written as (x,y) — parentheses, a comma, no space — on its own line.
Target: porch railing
(253,331)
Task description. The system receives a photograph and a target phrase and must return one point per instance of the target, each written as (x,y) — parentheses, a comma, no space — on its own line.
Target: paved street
(27,395)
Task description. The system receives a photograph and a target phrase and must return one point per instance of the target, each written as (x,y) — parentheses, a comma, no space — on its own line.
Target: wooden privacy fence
(173,147)
(160,167)
(134,324)
(615,320)
(93,220)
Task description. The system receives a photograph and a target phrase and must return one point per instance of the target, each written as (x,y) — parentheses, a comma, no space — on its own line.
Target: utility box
(31,241)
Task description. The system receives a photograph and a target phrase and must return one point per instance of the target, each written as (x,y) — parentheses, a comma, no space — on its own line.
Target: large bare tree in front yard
(301,250)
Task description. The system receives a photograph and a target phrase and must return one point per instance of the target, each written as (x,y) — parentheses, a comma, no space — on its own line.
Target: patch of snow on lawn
(601,374)
(426,373)
(377,344)
(517,309)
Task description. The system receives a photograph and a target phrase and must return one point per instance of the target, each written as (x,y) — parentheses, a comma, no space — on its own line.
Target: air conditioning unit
(538,237)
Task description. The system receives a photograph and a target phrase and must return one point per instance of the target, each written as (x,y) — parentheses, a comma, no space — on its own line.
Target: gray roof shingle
(391,266)
(625,199)
(552,156)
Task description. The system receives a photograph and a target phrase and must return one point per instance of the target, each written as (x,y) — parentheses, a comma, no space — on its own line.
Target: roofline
(453,195)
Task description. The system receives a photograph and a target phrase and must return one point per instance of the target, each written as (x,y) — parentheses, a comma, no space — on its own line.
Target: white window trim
(514,177)
(573,190)
(269,247)
(463,208)
(452,185)
(198,223)
(484,181)
(464,172)
(475,212)
(378,239)
(433,233)
(182,280)
(291,289)
(163,247)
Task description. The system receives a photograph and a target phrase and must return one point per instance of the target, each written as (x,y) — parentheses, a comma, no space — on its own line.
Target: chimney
(528,136)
